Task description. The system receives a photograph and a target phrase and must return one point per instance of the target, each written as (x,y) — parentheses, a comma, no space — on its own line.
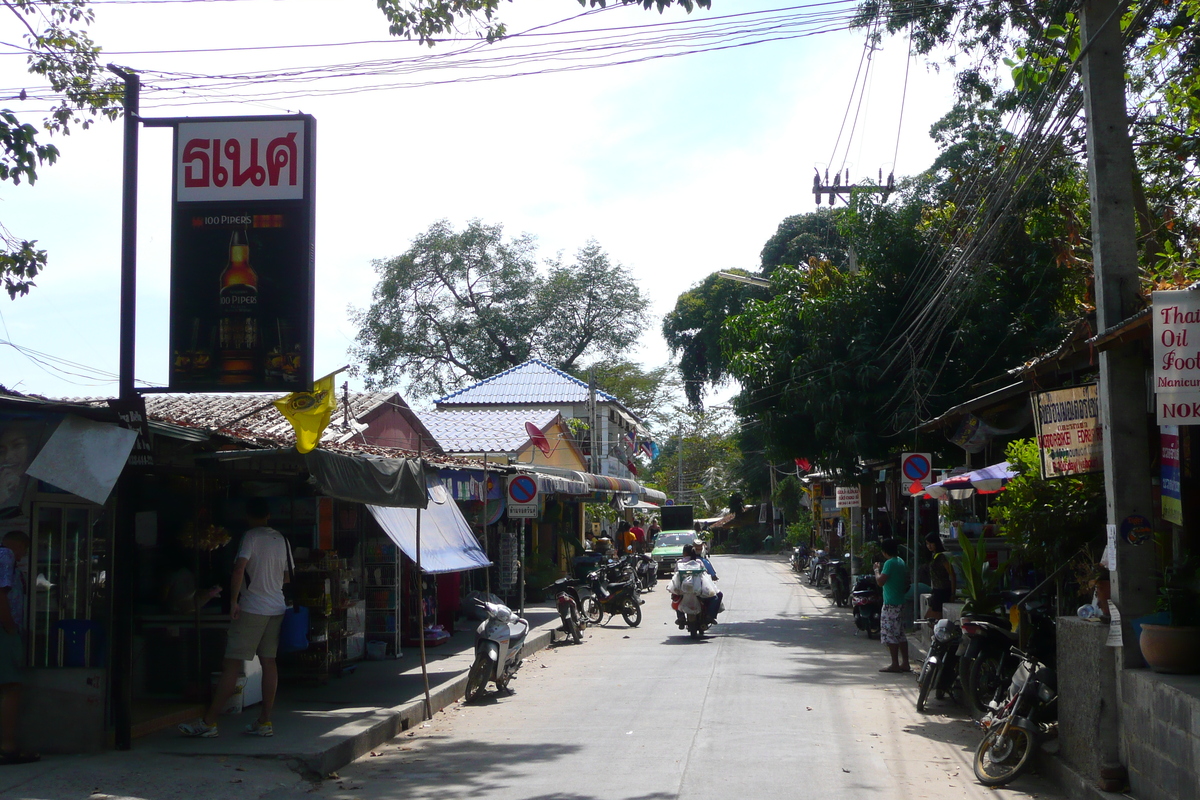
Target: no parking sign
(522,497)
(916,467)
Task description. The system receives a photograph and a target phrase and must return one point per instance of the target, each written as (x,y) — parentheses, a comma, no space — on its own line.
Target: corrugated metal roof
(484,430)
(533,382)
(250,416)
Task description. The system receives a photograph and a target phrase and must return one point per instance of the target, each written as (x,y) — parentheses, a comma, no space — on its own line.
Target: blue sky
(678,167)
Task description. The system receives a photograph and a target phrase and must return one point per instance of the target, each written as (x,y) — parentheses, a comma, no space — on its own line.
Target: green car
(668,549)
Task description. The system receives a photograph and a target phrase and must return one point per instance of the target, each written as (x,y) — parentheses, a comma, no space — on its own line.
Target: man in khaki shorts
(256,609)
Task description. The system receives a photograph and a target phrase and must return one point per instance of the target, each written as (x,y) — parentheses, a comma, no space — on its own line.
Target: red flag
(632,467)
(803,464)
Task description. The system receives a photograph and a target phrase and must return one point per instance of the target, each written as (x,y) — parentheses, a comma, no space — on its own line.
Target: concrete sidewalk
(318,729)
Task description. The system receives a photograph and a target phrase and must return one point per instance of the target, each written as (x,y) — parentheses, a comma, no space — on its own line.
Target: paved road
(782,701)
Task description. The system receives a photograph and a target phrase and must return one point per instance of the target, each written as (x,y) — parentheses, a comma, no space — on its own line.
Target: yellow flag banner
(310,412)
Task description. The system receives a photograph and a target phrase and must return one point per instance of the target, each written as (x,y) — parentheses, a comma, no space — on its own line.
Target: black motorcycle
(867,602)
(940,670)
(576,605)
(798,560)
(645,569)
(987,667)
(1029,709)
(839,581)
(619,597)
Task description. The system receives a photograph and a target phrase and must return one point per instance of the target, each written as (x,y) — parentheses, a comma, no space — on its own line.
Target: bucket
(376,650)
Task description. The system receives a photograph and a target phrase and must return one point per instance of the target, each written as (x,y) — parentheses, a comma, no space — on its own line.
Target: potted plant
(1094,581)
(1174,647)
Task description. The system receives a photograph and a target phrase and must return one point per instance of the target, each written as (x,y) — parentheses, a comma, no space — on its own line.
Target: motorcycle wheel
(926,683)
(1003,754)
(476,678)
(695,630)
(632,612)
(982,682)
(571,627)
(592,611)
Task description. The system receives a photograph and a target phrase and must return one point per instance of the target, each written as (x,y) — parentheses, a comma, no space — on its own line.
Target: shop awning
(608,483)
(561,484)
(641,505)
(390,482)
(988,480)
(654,495)
(447,541)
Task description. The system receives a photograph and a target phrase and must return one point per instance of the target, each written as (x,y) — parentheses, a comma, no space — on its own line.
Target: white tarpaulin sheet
(84,457)
(447,542)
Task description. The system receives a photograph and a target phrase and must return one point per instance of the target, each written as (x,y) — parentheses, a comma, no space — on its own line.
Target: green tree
(429,20)
(463,305)
(58,50)
(1047,521)
(711,461)
(652,394)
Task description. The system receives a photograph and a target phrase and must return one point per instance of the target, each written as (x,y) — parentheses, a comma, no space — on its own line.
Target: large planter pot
(1171,649)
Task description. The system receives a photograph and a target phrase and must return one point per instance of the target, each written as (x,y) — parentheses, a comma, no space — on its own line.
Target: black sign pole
(123,536)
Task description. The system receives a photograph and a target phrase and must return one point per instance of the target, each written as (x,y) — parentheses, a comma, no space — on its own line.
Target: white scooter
(499,640)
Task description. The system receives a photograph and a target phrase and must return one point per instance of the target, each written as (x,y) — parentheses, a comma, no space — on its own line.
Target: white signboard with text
(234,159)
(1176,334)
(849,497)
(1069,436)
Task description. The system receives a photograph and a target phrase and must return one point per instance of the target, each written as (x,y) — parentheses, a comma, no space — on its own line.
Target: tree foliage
(652,394)
(430,20)
(1047,521)
(711,461)
(59,51)
(463,305)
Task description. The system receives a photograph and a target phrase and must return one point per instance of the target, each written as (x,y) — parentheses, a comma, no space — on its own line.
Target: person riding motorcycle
(712,605)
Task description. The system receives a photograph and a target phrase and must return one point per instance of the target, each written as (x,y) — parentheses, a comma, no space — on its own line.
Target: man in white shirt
(256,608)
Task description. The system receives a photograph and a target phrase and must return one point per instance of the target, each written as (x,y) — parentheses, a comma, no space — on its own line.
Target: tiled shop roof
(534,382)
(251,416)
(480,430)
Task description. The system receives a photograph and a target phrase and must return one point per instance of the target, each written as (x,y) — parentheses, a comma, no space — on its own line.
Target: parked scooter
(571,597)
(867,601)
(499,640)
(618,597)
(1029,709)
(816,568)
(798,560)
(839,581)
(646,570)
(986,668)
(940,670)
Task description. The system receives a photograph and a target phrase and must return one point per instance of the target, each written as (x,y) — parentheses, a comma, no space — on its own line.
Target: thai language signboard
(242,254)
(849,497)
(1067,422)
(1176,369)
(1172,496)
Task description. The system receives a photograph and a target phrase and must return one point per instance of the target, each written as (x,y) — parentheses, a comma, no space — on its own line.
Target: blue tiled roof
(533,382)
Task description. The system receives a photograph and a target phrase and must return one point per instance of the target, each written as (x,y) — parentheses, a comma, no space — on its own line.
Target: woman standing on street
(943,582)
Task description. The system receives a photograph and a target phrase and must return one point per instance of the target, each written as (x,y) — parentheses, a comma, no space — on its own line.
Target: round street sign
(522,489)
(915,466)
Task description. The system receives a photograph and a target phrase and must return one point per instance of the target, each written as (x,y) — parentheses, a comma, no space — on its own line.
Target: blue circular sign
(916,467)
(522,489)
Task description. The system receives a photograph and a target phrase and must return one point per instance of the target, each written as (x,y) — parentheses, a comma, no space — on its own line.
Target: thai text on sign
(1069,436)
(1176,369)
(848,497)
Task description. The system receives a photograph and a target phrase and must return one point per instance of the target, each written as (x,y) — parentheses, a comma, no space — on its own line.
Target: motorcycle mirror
(847,555)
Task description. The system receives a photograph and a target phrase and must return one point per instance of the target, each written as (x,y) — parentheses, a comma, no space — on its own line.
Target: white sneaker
(198,728)
(260,729)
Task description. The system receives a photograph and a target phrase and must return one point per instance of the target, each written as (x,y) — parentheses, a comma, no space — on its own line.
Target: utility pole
(679,481)
(594,458)
(123,550)
(1123,392)
(837,188)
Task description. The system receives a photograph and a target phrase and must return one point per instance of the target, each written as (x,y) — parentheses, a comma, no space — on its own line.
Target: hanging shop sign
(1172,496)
(242,263)
(1176,332)
(849,497)
(1067,423)
(522,497)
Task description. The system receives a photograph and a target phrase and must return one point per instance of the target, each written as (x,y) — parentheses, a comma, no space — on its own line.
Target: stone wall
(1160,734)
(1087,697)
